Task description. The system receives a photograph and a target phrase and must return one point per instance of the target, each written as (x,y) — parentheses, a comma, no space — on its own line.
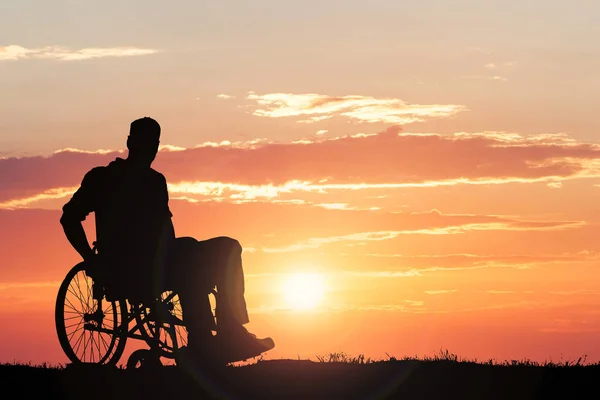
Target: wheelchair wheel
(89,330)
(161,325)
(143,358)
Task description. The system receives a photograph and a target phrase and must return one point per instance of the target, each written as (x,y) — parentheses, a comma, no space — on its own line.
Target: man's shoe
(238,344)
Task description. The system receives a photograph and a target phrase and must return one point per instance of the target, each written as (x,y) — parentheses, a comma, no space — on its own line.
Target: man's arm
(164,196)
(165,221)
(77,237)
(76,210)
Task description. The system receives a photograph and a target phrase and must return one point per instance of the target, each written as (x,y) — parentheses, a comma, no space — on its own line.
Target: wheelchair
(93,323)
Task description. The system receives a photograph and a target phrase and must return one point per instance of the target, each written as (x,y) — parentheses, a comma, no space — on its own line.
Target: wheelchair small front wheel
(89,330)
(161,325)
(143,358)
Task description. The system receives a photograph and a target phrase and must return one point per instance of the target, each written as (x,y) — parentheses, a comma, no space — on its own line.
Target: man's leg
(190,279)
(225,256)
(197,316)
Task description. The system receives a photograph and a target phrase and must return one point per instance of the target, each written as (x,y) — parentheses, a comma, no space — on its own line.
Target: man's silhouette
(139,255)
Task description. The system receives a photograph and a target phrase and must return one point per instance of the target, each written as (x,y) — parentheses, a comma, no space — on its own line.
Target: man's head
(143,141)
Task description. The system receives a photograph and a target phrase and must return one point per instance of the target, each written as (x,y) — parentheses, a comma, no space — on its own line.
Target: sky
(432,168)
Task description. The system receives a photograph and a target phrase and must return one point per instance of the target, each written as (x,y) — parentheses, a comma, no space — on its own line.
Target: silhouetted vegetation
(446,355)
(331,376)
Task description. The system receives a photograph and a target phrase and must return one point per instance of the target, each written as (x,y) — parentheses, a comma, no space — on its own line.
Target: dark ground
(297,379)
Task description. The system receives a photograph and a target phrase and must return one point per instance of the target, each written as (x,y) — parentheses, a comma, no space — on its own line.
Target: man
(139,255)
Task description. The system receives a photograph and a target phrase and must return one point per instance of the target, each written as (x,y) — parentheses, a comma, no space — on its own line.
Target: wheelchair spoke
(73,324)
(80,297)
(79,337)
(181,340)
(108,313)
(91,346)
(97,341)
(73,307)
(73,334)
(88,287)
(74,294)
(104,342)
(85,345)
(75,331)
(169,297)
(79,342)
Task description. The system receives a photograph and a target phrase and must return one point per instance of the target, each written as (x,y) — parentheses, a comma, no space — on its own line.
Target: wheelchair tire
(85,334)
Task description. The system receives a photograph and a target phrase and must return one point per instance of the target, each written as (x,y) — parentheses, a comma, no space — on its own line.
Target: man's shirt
(132,216)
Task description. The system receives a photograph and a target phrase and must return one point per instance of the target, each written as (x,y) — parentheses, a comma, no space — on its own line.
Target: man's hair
(145,127)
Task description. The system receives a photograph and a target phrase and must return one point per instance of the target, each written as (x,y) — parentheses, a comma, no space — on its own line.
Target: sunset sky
(433,165)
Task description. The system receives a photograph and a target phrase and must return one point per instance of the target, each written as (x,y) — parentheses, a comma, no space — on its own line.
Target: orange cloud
(269,231)
(28,285)
(257,170)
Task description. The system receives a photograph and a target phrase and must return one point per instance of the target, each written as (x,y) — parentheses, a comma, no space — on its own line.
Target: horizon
(402,177)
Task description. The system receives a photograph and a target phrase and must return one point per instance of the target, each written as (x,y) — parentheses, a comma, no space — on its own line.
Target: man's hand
(93,266)
(89,256)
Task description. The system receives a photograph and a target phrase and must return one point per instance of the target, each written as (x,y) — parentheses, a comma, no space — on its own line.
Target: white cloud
(491,78)
(554,185)
(170,147)
(74,150)
(50,194)
(317,242)
(500,291)
(442,291)
(318,107)
(15,52)
(384,274)
(575,292)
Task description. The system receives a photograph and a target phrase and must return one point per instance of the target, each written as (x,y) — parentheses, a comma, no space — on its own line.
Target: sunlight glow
(303,291)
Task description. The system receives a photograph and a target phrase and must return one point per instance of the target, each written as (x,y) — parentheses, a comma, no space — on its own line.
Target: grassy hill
(333,377)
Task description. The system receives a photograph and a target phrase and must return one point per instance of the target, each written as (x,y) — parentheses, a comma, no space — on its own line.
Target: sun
(303,291)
